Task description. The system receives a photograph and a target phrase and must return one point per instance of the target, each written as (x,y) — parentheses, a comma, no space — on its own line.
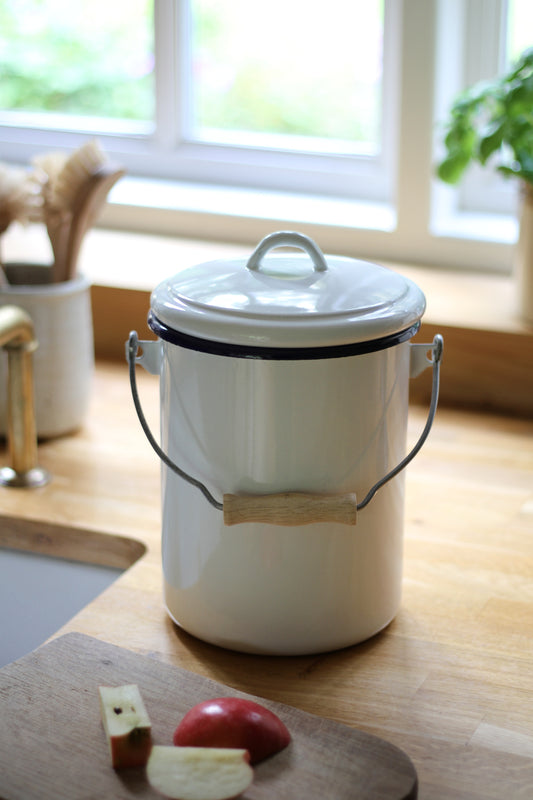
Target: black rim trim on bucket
(277,353)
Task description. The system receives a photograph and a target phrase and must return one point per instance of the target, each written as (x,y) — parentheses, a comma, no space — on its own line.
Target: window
(518,28)
(261,75)
(192,88)
(315,117)
(83,59)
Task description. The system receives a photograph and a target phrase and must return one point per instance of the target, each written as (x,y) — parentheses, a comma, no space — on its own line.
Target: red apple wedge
(126,724)
(199,773)
(233,722)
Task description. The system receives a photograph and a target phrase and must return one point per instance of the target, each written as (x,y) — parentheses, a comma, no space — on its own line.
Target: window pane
(82,57)
(519,27)
(286,69)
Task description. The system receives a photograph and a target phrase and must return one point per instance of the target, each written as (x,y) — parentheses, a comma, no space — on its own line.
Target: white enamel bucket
(284,402)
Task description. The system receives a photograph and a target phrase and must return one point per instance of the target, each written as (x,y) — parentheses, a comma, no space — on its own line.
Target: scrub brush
(74,191)
(18,200)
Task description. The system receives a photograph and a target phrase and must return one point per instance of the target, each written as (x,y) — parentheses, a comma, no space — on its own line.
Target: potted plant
(492,124)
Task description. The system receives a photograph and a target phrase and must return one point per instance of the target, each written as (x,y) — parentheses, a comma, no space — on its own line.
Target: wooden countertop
(451,679)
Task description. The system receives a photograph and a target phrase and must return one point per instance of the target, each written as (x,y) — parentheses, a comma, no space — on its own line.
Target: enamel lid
(287,300)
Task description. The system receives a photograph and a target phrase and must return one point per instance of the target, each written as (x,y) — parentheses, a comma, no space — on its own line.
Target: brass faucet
(17,337)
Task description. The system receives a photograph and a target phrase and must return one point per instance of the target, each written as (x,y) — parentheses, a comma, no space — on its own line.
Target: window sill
(488,350)
(239,214)
(360,229)
(165,207)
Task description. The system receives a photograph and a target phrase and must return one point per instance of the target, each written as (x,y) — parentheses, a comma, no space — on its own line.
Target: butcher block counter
(450,681)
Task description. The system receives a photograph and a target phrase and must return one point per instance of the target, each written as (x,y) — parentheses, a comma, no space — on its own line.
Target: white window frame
(388,207)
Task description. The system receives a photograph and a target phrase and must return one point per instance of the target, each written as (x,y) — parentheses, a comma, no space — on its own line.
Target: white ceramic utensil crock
(284,400)
(64,359)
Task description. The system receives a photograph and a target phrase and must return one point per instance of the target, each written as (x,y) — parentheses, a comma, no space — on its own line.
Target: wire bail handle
(287,508)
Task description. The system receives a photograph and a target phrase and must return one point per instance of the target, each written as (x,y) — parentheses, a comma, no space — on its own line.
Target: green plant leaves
(491,142)
(451,169)
(493,121)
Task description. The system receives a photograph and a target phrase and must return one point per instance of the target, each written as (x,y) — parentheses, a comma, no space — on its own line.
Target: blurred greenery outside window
(84,58)
(519,28)
(248,73)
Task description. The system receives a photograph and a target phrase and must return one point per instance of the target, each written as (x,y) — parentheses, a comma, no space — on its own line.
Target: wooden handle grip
(290,508)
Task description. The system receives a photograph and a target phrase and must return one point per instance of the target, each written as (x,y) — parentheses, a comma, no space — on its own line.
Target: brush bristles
(18,196)
(63,191)
(77,169)
(62,176)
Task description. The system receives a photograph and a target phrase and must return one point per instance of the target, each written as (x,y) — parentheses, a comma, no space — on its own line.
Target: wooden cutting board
(52,743)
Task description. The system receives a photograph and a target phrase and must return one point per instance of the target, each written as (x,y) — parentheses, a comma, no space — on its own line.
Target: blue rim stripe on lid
(277,353)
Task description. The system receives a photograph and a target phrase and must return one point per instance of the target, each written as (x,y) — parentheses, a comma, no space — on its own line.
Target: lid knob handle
(290,239)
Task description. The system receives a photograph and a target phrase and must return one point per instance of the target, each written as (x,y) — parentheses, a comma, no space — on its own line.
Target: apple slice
(199,773)
(126,724)
(233,722)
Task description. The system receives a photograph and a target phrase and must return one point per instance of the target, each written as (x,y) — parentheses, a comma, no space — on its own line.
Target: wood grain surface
(450,681)
(290,508)
(55,747)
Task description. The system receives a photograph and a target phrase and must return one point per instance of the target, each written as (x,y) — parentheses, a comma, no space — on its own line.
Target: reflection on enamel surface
(256,427)
(286,302)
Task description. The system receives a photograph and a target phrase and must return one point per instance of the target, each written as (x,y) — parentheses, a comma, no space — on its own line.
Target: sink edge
(75,543)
